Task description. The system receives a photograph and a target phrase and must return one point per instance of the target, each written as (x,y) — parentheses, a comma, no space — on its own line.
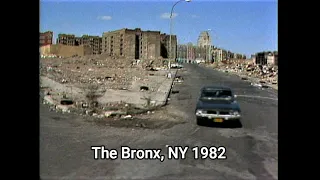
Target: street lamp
(170,46)
(209,45)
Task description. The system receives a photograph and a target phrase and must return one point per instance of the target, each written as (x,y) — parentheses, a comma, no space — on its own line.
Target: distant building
(204,46)
(66,39)
(165,46)
(204,39)
(94,42)
(253,58)
(138,44)
(230,55)
(272,58)
(263,58)
(187,53)
(46,38)
(218,55)
(191,52)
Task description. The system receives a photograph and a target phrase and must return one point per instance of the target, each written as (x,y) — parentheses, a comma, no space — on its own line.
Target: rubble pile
(115,110)
(110,72)
(50,56)
(245,69)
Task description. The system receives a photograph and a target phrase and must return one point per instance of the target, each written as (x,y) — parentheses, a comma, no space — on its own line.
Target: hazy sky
(239,26)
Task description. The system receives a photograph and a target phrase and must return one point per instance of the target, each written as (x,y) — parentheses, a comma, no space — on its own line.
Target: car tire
(237,123)
(199,122)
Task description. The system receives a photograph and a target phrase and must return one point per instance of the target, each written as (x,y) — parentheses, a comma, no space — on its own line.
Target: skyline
(241,27)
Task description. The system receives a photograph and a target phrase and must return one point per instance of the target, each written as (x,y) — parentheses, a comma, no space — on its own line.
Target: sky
(245,27)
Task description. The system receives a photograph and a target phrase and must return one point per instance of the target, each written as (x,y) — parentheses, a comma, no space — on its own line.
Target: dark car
(217,104)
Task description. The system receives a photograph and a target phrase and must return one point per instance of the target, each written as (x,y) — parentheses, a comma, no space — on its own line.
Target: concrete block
(48,99)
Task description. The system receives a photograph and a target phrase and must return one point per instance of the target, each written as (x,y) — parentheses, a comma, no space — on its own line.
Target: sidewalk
(164,90)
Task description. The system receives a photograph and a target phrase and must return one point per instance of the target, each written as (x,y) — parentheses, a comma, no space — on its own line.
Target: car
(176,66)
(217,104)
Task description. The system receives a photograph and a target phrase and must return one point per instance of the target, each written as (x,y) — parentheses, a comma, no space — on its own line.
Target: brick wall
(65,50)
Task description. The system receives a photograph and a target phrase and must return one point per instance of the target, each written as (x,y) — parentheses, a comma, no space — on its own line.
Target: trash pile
(246,69)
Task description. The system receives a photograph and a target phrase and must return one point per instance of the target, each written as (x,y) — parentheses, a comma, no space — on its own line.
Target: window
(216,94)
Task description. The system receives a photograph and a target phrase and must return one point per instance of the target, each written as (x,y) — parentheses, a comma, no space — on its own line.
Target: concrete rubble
(104,86)
(262,76)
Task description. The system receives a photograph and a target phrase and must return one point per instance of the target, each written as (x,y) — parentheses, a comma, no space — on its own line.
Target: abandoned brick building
(66,39)
(137,44)
(46,38)
(94,42)
(268,57)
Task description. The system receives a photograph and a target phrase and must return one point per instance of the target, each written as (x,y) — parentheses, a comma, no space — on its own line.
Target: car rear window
(216,93)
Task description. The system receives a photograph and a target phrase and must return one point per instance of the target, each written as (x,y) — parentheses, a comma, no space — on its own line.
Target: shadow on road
(227,124)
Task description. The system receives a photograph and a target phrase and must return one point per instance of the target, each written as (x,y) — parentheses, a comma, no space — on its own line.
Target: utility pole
(187,53)
(170,44)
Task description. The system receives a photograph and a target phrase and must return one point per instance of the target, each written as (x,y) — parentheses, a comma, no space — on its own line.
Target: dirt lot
(103,86)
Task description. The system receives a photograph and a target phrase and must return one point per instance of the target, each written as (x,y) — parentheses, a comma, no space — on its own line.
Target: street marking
(258,97)
(195,131)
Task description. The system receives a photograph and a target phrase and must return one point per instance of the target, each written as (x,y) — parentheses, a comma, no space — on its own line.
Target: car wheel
(237,123)
(199,122)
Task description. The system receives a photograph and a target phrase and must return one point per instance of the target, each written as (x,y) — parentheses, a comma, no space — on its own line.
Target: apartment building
(66,39)
(253,59)
(136,44)
(46,38)
(230,55)
(191,52)
(261,58)
(165,46)
(218,55)
(186,53)
(221,54)
(264,58)
(272,58)
(94,42)
(201,52)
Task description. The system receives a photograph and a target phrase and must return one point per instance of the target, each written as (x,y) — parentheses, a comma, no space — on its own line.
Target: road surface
(252,150)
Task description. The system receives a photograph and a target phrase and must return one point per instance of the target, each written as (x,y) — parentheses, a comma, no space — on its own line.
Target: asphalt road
(252,150)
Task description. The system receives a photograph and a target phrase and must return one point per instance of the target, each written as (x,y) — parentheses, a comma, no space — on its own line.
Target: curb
(169,92)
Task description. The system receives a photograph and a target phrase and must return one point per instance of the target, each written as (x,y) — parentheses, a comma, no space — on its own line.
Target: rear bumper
(213,116)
